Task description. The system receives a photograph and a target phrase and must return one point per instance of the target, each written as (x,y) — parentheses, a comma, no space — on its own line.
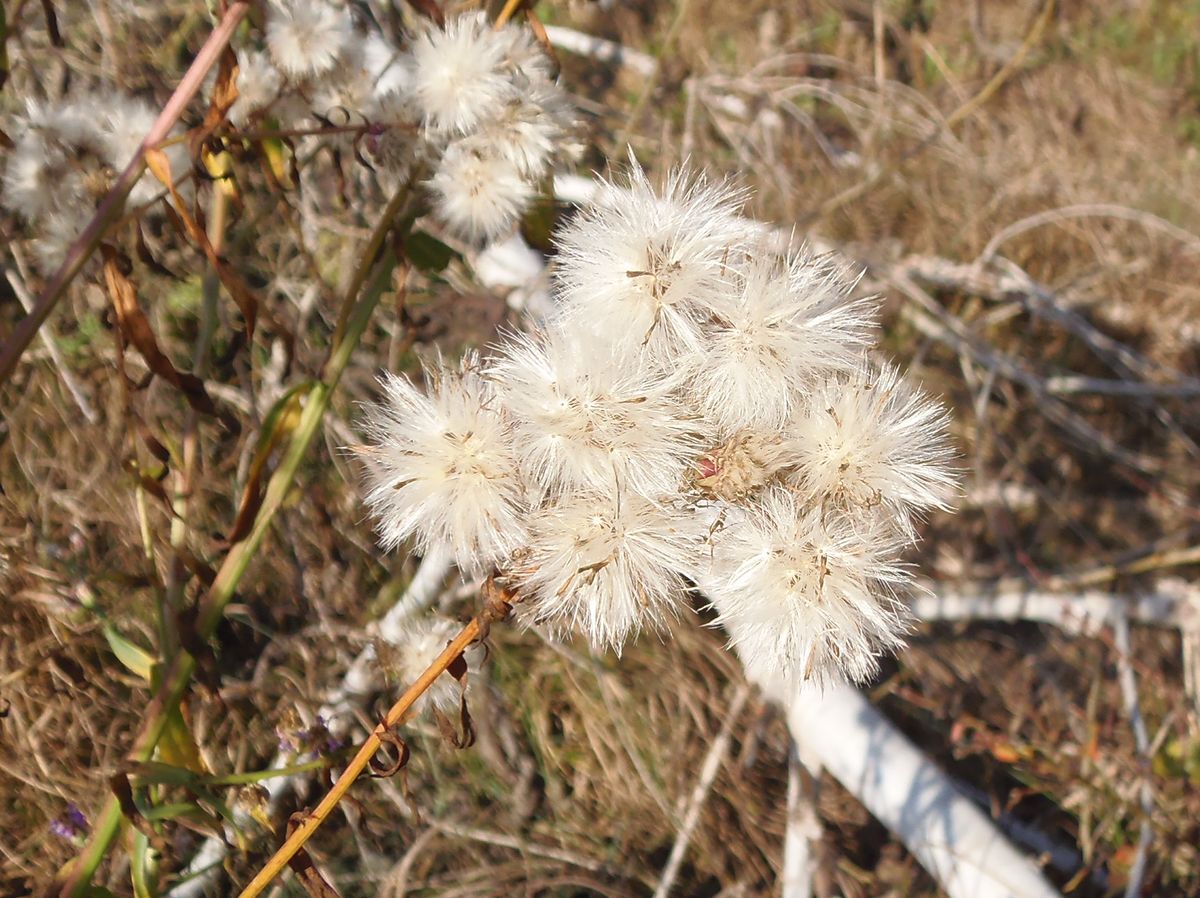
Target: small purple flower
(71,828)
(75,816)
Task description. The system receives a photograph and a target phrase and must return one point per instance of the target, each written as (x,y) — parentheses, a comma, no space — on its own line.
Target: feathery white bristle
(639,270)
(476,192)
(606,566)
(441,468)
(866,439)
(459,73)
(803,592)
(786,320)
(585,418)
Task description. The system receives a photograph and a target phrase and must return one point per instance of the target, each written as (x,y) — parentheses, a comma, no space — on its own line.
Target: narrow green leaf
(135,658)
(428,254)
(141,867)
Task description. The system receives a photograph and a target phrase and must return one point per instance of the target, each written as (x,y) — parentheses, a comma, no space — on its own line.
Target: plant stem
(175,681)
(114,201)
(362,757)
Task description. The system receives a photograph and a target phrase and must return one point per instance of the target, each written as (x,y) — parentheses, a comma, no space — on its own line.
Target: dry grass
(582,764)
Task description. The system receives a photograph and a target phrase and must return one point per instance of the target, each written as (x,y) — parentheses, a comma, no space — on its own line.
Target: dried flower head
(606,565)
(587,420)
(806,593)
(307,37)
(441,467)
(867,439)
(786,321)
(643,270)
(478,193)
(463,72)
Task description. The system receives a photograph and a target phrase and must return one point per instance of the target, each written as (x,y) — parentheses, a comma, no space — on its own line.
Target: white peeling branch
(948,835)
(802,837)
(1173,603)
(601,50)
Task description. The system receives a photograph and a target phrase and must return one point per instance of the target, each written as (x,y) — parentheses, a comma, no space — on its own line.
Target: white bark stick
(947,834)
(803,832)
(1172,603)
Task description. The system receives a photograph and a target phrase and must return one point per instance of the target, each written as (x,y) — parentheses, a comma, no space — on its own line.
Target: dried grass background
(835,114)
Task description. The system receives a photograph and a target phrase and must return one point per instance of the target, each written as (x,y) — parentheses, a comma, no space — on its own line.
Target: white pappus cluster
(478,106)
(701,411)
(65,159)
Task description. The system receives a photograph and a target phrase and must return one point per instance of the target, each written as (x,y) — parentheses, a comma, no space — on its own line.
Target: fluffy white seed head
(66,159)
(805,592)
(307,37)
(643,270)
(422,641)
(476,192)
(258,84)
(530,130)
(461,74)
(125,122)
(58,153)
(606,566)
(368,75)
(586,419)
(787,320)
(441,468)
(867,441)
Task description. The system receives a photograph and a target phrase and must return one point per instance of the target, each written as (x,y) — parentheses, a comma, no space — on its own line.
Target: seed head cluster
(65,158)
(479,107)
(699,411)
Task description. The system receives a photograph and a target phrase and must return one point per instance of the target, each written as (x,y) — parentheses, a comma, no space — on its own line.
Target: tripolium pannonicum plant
(700,421)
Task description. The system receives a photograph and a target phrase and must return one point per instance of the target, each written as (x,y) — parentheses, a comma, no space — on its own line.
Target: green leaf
(537,227)
(159,773)
(135,658)
(427,253)
(142,866)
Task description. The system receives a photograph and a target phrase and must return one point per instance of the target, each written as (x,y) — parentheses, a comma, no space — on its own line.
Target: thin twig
(110,208)
(708,774)
(362,757)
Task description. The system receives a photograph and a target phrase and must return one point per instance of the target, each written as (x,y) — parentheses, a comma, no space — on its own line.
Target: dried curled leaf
(135,329)
(157,162)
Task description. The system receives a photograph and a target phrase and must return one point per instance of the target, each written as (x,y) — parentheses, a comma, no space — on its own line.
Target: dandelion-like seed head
(477,192)
(807,593)
(306,38)
(461,73)
(588,420)
(441,468)
(643,270)
(867,442)
(786,320)
(606,566)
